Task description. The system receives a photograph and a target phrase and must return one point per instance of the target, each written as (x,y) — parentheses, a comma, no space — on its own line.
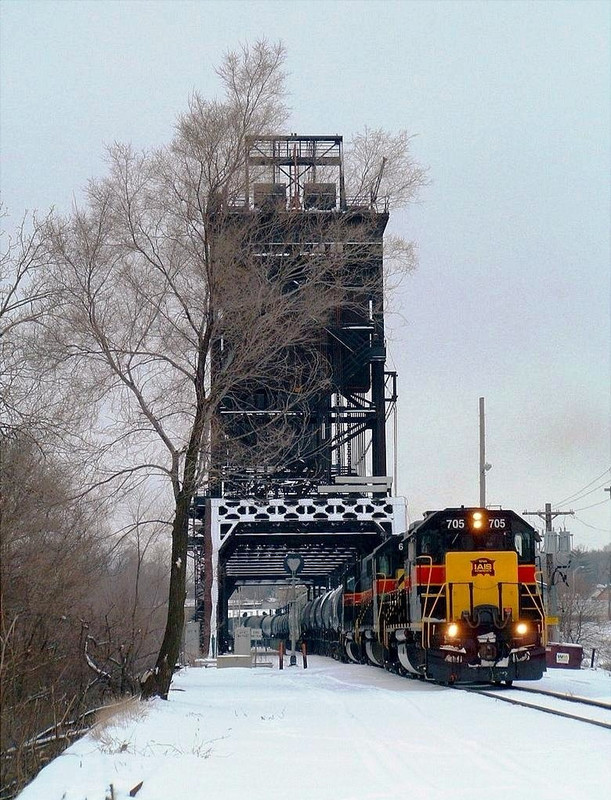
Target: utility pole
(483,466)
(551,549)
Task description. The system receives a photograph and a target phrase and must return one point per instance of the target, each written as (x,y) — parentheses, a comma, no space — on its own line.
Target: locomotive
(454,600)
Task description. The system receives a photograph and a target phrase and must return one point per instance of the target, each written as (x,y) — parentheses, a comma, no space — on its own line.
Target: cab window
(524,543)
(428,545)
(383,565)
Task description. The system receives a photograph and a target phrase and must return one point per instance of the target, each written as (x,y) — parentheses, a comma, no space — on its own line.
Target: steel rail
(545,710)
(570,698)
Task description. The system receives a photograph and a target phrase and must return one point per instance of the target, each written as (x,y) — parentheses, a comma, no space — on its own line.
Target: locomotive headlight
(521,628)
(478,519)
(452,630)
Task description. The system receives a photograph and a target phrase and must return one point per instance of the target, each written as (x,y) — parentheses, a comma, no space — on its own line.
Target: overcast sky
(509,102)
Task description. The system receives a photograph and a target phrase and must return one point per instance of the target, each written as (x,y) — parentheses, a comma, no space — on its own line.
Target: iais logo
(482,566)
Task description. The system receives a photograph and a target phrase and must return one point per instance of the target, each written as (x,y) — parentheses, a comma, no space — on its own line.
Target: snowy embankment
(333,732)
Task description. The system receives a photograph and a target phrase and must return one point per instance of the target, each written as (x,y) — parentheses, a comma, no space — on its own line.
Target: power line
(571,498)
(593,527)
(600,503)
(582,493)
(585,494)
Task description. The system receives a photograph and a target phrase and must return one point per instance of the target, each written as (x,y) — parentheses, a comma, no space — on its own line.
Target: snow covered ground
(334,732)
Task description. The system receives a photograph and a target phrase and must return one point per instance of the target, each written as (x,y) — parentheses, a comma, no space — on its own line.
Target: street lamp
(575,571)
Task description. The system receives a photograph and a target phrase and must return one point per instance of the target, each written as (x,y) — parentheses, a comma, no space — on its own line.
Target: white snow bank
(334,732)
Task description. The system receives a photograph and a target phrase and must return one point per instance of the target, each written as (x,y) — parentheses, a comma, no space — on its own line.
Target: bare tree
(23,297)
(583,616)
(82,607)
(380,164)
(50,560)
(148,284)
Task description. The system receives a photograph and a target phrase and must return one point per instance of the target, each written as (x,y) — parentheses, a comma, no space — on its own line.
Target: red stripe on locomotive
(385,585)
(430,573)
(526,573)
(357,598)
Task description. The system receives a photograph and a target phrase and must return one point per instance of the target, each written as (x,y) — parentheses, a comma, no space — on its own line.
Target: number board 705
(459,523)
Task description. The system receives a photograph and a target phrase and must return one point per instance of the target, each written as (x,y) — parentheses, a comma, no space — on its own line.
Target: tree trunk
(157,682)
(206,627)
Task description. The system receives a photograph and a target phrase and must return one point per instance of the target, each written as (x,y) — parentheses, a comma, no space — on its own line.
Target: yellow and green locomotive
(456,599)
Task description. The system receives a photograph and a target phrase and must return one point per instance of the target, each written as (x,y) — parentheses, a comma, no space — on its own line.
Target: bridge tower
(331,500)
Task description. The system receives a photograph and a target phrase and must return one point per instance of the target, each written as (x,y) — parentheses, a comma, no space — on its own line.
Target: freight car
(456,599)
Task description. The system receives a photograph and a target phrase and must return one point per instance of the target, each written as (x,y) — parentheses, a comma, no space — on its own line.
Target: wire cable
(600,503)
(585,494)
(593,527)
(571,498)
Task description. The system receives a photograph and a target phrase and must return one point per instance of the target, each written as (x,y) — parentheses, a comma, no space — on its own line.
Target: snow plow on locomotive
(454,600)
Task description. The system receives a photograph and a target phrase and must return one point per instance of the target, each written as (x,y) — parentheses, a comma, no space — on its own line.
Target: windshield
(436,541)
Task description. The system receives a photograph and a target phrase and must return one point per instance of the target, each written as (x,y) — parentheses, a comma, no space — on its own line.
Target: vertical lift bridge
(332,502)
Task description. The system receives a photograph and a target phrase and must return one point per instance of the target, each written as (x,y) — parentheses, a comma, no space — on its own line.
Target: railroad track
(558,703)
(586,701)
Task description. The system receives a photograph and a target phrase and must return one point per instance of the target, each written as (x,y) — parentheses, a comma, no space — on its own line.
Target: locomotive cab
(475,608)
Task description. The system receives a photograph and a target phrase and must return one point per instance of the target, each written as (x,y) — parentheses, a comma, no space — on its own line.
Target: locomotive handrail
(429,604)
(384,576)
(363,611)
(537,601)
